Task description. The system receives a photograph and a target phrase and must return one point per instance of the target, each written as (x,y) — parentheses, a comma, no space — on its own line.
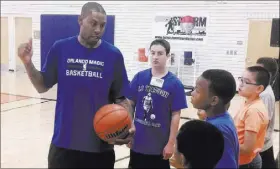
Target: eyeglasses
(242,80)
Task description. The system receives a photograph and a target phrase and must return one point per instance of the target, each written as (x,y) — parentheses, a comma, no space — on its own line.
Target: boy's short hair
(270,64)
(201,143)
(164,43)
(222,84)
(262,75)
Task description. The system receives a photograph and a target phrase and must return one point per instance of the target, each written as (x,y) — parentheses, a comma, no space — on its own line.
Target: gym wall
(4,41)
(226,46)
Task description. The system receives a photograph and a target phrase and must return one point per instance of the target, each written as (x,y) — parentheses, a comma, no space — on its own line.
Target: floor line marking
(25,106)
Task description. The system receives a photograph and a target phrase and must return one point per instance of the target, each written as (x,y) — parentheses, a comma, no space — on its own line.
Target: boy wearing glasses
(251,120)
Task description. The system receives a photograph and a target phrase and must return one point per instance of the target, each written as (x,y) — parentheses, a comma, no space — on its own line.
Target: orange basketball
(111,121)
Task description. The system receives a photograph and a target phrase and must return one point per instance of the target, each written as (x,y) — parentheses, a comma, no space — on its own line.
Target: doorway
(259,42)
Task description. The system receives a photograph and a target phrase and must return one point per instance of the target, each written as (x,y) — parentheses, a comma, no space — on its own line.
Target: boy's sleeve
(120,85)
(253,120)
(179,99)
(50,67)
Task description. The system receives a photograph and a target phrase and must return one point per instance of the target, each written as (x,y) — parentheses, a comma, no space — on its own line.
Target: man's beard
(92,43)
(89,43)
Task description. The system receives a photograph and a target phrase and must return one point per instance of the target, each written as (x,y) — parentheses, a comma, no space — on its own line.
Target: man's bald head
(92,23)
(90,7)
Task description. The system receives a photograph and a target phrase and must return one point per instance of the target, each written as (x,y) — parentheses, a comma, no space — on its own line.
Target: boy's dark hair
(222,84)
(262,75)
(92,6)
(270,64)
(163,43)
(201,143)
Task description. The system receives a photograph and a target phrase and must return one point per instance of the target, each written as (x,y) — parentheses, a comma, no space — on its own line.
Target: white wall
(228,23)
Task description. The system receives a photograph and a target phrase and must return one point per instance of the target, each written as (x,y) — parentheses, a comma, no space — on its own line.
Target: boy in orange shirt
(251,120)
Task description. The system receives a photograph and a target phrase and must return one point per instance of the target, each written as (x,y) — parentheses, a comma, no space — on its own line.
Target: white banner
(181,28)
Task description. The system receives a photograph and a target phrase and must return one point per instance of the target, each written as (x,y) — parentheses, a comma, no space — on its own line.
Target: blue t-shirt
(230,156)
(154,107)
(86,80)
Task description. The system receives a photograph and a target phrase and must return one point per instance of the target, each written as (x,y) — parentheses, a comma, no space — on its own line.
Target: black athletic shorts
(64,158)
(138,160)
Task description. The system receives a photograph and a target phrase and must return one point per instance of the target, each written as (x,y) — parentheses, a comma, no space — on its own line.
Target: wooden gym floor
(27,123)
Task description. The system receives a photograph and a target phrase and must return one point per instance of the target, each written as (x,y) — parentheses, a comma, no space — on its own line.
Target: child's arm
(179,102)
(250,139)
(174,127)
(253,123)
(169,148)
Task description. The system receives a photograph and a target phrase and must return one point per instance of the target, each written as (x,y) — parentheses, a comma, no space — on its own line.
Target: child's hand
(168,151)
(257,150)
(201,114)
(176,160)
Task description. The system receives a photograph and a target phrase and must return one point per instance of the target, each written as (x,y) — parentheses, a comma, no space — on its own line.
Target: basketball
(112,122)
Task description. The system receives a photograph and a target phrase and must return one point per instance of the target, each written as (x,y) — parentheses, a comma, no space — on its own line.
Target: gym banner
(186,27)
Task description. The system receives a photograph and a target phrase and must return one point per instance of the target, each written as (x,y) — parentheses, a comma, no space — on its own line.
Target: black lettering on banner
(179,38)
(198,21)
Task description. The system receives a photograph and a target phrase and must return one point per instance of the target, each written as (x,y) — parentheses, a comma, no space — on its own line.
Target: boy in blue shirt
(214,89)
(89,73)
(158,96)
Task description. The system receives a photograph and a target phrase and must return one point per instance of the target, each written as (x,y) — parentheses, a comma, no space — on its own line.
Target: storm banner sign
(191,28)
